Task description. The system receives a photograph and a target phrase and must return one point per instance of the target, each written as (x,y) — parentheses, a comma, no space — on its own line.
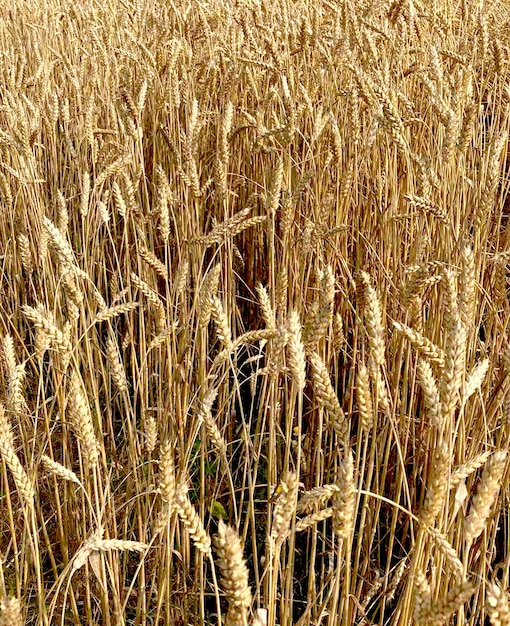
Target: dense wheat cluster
(254,313)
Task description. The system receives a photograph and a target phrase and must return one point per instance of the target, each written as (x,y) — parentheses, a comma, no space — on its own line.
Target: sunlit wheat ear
(474,380)
(59,243)
(314,518)
(327,395)
(447,550)
(441,611)
(167,486)
(296,350)
(437,485)
(81,420)
(466,469)
(153,298)
(430,392)
(455,351)
(486,494)
(109,545)
(467,287)
(421,344)
(344,500)
(364,397)
(231,227)
(109,313)
(53,335)
(153,262)
(15,377)
(27,260)
(267,308)
(318,326)
(163,198)
(117,370)
(498,605)
(284,509)
(222,323)
(59,470)
(234,573)
(96,543)
(23,483)
(316,497)
(11,612)
(207,292)
(372,313)
(192,521)
(205,416)
(151,434)
(422,598)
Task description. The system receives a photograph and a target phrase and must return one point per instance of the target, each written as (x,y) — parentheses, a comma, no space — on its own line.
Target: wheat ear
(344,500)
(23,483)
(192,521)
(284,509)
(327,395)
(498,605)
(296,350)
(234,573)
(11,612)
(485,496)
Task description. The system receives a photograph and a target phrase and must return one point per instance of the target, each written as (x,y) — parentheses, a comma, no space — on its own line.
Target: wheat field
(254,313)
